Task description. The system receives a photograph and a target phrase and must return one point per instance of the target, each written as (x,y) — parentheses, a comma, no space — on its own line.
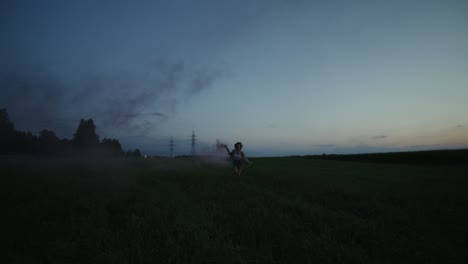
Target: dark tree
(85,141)
(48,137)
(6,126)
(66,147)
(85,137)
(7,133)
(24,143)
(112,147)
(48,142)
(136,153)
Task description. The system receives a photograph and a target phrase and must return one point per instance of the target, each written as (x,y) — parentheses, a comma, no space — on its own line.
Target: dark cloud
(131,101)
(203,79)
(158,114)
(32,96)
(127,98)
(379,137)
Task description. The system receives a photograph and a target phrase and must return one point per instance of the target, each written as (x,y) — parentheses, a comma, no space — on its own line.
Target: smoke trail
(131,101)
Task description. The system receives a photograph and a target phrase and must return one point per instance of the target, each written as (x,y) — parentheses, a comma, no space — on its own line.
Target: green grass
(283,210)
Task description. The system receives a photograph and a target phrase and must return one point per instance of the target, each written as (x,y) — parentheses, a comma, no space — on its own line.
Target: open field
(283,210)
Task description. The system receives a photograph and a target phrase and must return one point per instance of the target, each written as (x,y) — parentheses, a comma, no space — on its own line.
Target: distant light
(146,156)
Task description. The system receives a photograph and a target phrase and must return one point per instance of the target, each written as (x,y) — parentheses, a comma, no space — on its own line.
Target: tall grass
(282,210)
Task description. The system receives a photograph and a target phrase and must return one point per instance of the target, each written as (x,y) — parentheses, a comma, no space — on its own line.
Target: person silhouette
(239,160)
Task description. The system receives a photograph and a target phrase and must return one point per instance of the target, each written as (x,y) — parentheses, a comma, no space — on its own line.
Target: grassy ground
(283,210)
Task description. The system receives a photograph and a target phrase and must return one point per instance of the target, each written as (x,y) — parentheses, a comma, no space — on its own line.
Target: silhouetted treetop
(6,126)
(8,137)
(85,141)
(48,136)
(85,136)
(112,146)
(136,153)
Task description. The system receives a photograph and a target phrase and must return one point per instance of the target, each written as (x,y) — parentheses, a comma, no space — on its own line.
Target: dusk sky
(284,77)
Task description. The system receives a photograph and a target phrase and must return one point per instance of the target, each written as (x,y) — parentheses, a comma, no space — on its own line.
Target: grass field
(283,210)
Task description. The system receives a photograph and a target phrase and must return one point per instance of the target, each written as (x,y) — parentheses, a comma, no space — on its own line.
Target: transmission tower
(171,146)
(194,139)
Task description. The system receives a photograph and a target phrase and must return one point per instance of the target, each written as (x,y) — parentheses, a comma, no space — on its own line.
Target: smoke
(216,156)
(33,98)
(130,101)
(202,80)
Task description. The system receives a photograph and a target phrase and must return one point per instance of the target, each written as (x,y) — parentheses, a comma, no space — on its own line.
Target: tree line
(85,141)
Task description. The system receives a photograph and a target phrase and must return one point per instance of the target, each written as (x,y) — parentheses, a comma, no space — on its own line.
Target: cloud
(131,101)
(158,114)
(379,137)
(127,99)
(32,96)
(203,79)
